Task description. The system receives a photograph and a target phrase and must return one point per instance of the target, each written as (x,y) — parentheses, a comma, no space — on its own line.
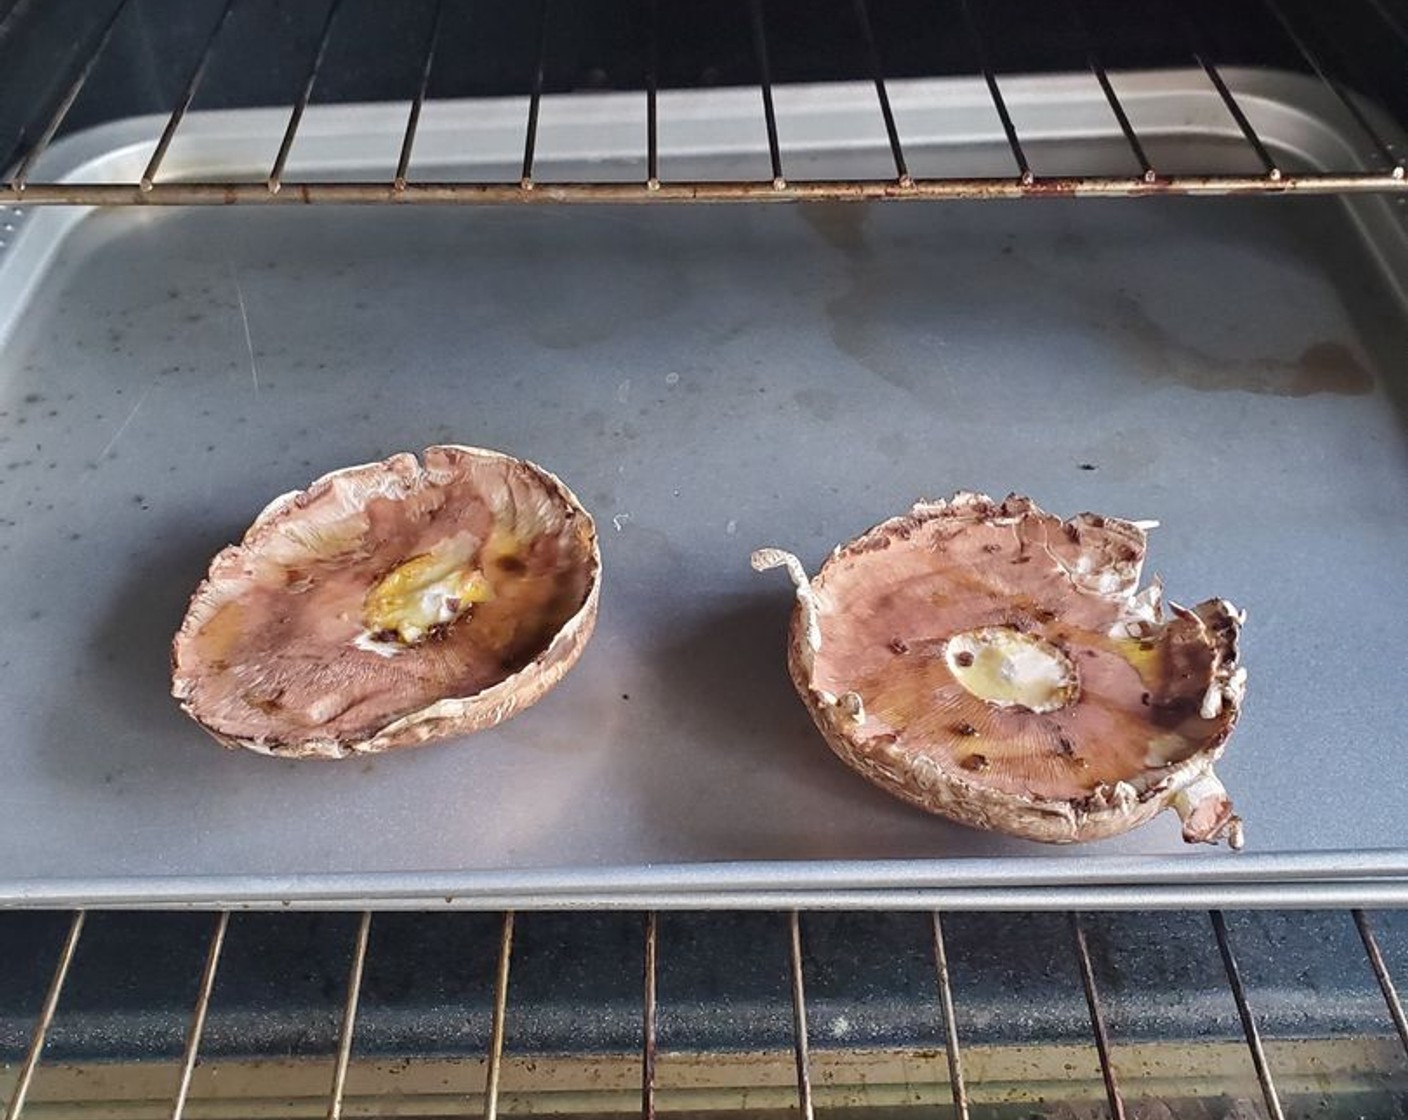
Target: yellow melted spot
(1144,655)
(421,593)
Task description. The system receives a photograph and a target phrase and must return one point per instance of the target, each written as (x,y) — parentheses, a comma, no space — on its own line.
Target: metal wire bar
(1337,88)
(1097,1020)
(296,117)
(1201,57)
(800,1047)
(192,84)
(1395,25)
(197,1027)
(1244,1011)
(877,72)
(1250,134)
(647,1065)
(1381,974)
(842,190)
(26,164)
(496,1030)
(46,1016)
(652,129)
(760,50)
(1097,67)
(349,1016)
(999,102)
(403,163)
(955,1058)
(535,101)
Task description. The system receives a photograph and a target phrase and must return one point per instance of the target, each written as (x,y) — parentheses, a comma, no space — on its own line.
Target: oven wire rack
(1382,146)
(803,1097)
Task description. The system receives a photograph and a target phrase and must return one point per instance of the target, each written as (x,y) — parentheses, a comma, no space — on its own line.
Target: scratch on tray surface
(248,338)
(131,415)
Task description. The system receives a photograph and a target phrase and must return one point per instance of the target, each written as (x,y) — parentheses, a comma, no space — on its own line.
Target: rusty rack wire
(957,1086)
(1386,176)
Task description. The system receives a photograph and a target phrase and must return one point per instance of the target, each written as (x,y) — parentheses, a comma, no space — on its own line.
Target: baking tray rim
(1377,873)
(389,891)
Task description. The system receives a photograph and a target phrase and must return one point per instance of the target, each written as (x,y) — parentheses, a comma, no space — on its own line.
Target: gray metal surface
(708,380)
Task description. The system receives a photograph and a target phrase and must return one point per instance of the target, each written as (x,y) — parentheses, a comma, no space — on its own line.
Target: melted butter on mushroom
(421,597)
(995,664)
(418,596)
(1003,667)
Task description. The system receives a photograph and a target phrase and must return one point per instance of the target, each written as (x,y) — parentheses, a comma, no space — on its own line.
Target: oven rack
(498,1080)
(1309,46)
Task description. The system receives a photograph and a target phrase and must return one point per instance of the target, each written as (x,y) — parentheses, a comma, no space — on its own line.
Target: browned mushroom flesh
(389,604)
(995,664)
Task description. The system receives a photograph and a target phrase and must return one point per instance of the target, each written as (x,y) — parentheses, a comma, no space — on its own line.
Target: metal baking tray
(709,379)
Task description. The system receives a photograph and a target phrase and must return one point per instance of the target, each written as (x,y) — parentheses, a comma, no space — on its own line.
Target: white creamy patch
(1007,668)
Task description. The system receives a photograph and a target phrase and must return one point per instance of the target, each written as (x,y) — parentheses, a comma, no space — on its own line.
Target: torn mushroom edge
(1190,787)
(351,487)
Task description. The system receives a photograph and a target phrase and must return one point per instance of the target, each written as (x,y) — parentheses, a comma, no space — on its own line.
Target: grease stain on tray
(1330,367)
(863,313)
(821,404)
(858,312)
(840,224)
(1322,367)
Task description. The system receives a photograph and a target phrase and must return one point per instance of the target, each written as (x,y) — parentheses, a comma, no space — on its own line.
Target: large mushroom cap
(389,604)
(990,662)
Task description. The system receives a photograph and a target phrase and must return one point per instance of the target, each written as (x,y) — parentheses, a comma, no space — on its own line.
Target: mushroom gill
(990,662)
(391,603)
